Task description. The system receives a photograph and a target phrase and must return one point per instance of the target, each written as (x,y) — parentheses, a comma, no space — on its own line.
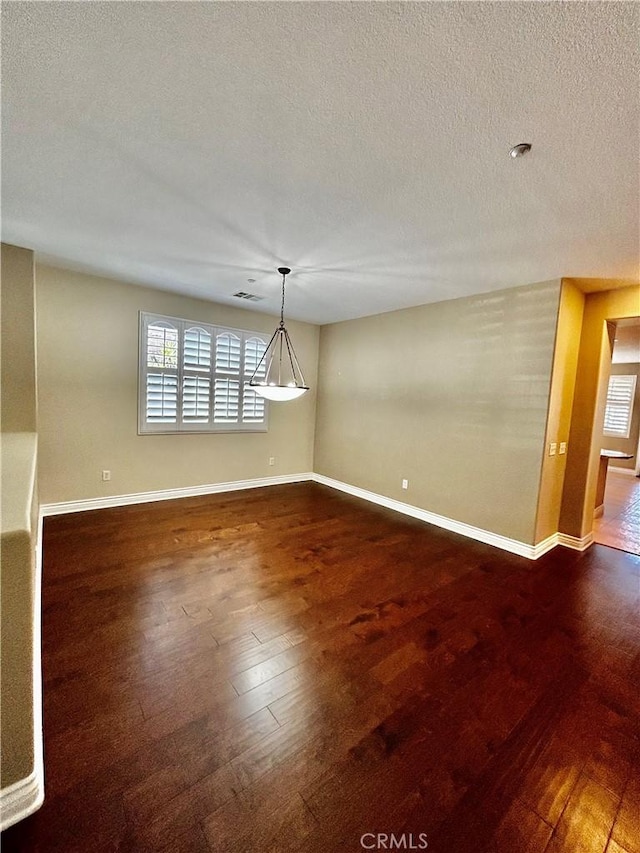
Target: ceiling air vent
(250,296)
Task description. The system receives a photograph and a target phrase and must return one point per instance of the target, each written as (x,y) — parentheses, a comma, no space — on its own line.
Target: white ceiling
(192,146)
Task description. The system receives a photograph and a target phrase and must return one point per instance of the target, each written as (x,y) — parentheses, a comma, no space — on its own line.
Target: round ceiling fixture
(520,150)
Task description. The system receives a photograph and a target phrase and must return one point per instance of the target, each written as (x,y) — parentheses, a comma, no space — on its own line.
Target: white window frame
(181,325)
(621,406)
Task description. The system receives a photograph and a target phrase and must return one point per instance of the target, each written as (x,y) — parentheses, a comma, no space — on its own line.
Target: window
(193,377)
(617,414)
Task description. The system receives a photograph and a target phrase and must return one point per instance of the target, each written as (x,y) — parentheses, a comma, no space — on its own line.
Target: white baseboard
(169,494)
(21,799)
(574,542)
(514,546)
(613,469)
(546,545)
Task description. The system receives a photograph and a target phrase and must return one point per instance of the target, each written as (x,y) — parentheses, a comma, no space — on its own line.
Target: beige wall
(18,514)
(585,439)
(18,340)
(626,445)
(88,381)
(16,703)
(563,383)
(452,396)
(19,520)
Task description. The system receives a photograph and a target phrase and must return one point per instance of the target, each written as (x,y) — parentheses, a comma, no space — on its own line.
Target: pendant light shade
(278,375)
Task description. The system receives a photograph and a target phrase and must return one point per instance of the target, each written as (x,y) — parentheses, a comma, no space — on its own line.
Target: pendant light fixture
(278,375)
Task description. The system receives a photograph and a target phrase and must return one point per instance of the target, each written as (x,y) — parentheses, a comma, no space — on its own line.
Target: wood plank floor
(292,669)
(619,526)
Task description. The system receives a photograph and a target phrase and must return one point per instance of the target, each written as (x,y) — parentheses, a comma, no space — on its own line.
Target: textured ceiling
(193,146)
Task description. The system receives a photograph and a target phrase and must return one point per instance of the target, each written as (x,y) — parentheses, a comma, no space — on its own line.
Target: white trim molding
(21,799)
(546,545)
(25,796)
(170,494)
(616,469)
(514,546)
(574,542)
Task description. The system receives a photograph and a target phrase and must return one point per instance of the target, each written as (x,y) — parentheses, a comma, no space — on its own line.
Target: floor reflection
(619,527)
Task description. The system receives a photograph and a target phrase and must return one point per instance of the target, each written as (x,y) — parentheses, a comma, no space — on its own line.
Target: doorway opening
(617,512)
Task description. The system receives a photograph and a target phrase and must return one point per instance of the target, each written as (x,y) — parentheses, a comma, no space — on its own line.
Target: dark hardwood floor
(291,669)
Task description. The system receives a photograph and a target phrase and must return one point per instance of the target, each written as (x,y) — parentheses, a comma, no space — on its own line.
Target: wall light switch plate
(106,476)
(563,447)
(552,448)
(405,484)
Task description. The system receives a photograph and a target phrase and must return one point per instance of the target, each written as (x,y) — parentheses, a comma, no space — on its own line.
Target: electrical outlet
(552,448)
(405,484)
(563,447)
(272,460)
(106,476)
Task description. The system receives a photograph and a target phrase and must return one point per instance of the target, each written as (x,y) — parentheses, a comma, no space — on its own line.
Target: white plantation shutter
(253,406)
(226,401)
(226,396)
(194,377)
(253,351)
(161,387)
(228,353)
(162,346)
(617,414)
(196,398)
(162,398)
(197,349)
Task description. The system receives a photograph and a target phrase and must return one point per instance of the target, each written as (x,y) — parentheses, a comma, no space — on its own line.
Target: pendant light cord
(284,276)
